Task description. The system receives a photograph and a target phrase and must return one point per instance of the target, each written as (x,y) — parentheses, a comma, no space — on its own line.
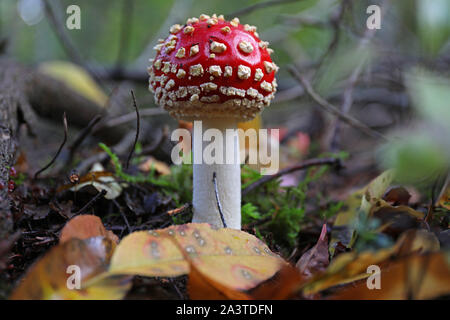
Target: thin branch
(324,104)
(122,213)
(351,83)
(59,149)
(82,135)
(303,165)
(219,205)
(138,127)
(119,120)
(91,202)
(257,6)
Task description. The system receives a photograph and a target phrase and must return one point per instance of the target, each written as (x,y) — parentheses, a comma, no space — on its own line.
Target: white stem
(228,175)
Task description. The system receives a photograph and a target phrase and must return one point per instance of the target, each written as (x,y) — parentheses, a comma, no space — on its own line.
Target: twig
(303,165)
(82,135)
(154,146)
(91,202)
(333,109)
(138,121)
(123,215)
(176,211)
(336,24)
(59,149)
(348,92)
(259,5)
(149,112)
(219,206)
(119,149)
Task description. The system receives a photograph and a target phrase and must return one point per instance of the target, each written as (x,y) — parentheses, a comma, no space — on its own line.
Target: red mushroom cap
(212,68)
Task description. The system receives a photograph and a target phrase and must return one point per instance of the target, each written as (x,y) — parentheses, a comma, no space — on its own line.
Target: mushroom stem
(218,150)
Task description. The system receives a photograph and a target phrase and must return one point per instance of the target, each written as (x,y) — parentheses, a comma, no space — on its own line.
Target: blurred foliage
(423,153)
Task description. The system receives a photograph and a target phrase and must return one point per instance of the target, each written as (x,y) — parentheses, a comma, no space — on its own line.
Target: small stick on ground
(178,210)
(91,202)
(59,150)
(301,166)
(138,120)
(82,135)
(219,206)
(119,120)
(122,214)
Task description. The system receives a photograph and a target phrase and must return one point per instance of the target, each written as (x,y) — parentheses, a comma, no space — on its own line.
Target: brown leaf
(397,196)
(414,277)
(315,259)
(47,279)
(352,266)
(283,285)
(84,227)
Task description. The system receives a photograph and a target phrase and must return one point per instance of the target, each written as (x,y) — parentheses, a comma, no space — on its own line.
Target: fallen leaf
(75,78)
(397,196)
(232,258)
(414,277)
(315,259)
(98,178)
(48,277)
(359,202)
(284,284)
(84,227)
(352,266)
(151,163)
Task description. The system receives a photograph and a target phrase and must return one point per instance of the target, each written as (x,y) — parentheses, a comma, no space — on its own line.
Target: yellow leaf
(229,257)
(76,79)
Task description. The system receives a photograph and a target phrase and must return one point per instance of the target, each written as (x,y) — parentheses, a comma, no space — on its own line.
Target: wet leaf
(229,257)
(84,227)
(48,277)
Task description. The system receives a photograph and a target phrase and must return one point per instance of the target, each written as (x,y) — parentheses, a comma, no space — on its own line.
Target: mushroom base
(228,180)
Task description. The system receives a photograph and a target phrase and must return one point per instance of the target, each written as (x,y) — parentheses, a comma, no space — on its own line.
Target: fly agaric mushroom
(221,73)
